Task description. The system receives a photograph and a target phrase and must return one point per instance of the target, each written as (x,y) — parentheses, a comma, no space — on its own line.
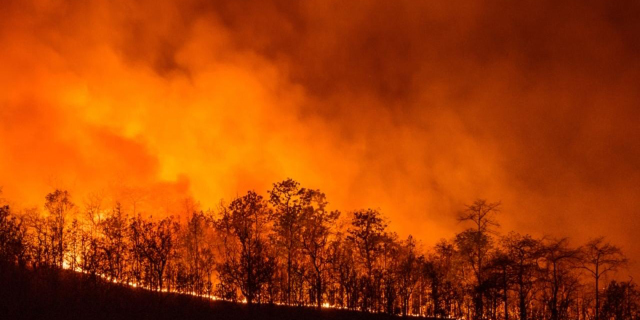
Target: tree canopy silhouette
(289,248)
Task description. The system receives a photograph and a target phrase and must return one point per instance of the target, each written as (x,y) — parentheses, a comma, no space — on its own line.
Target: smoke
(414,108)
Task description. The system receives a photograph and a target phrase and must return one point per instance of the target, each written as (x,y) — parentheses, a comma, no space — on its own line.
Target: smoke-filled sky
(412,107)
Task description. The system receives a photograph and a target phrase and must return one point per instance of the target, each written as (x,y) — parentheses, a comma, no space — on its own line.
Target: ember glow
(413,108)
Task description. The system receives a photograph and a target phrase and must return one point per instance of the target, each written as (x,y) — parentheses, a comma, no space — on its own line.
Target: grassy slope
(68,295)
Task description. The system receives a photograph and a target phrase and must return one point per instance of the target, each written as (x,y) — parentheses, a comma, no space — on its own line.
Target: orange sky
(411,107)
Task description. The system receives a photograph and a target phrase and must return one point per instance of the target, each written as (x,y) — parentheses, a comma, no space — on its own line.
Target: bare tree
(482,214)
(501,268)
(474,244)
(93,210)
(559,260)
(440,272)
(524,253)
(599,258)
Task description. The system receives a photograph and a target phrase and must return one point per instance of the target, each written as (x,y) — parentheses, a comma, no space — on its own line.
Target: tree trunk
(597,310)
(523,307)
(319,291)
(506,295)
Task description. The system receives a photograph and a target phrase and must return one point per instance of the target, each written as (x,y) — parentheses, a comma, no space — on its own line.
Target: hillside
(55,294)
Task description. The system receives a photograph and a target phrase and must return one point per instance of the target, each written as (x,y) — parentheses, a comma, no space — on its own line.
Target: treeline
(288,248)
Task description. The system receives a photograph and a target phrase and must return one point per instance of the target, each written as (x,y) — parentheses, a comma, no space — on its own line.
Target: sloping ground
(55,294)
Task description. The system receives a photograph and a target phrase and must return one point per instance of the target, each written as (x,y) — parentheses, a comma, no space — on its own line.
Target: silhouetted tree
(114,245)
(59,205)
(198,252)
(316,230)
(559,261)
(91,259)
(154,244)
(93,212)
(13,242)
(293,250)
(40,238)
(524,253)
(366,233)
(501,274)
(74,244)
(137,229)
(439,272)
(247,263)
(599,258)
(408,272)
(287,198)
(343,265)
(386,284)
(621,301)
(475,243)
(161,245)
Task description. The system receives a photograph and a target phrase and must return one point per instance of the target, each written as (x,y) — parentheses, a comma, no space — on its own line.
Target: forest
(287,248)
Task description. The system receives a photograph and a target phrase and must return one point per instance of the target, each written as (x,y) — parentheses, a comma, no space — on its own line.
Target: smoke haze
(412,107)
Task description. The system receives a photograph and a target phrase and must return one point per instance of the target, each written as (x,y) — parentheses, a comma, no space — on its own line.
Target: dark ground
(54,294)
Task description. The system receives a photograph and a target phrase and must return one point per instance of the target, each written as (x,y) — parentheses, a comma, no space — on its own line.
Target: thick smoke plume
(413,107)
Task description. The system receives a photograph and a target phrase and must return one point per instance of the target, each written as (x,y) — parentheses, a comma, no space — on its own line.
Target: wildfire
(135,285)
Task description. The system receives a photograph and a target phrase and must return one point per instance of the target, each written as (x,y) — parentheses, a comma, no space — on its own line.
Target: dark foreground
(55,294)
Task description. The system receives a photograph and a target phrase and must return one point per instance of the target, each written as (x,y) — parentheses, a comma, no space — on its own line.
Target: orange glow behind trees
(414,109)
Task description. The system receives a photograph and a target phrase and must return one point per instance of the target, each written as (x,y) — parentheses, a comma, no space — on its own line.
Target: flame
(134,285)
